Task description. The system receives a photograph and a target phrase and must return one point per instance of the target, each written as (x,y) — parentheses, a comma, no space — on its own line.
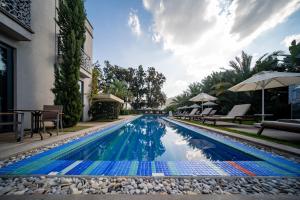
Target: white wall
(88,49)
(35,59)
(34,64)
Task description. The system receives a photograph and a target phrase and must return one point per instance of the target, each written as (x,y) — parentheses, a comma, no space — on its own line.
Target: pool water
(154,146)
(150,138)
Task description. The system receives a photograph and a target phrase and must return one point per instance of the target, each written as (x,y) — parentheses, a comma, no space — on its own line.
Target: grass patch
(76,128)
(262,137)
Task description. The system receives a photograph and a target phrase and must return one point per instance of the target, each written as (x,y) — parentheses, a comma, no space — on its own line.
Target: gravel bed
(105,185)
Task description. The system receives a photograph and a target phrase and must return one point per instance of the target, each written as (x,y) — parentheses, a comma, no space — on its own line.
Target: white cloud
(205,35)
(173,87)
(134,23)
(288,39)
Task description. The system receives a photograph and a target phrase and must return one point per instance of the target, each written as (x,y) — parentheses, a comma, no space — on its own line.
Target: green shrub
(104,110)
(128,112)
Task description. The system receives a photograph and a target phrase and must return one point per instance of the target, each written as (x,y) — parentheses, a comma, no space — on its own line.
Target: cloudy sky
(188,39)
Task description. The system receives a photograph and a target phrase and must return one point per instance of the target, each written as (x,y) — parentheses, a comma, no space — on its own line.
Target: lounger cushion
(239,110)
(281,125)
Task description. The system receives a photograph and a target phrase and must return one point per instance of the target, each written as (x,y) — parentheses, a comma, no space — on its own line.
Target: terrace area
(72,127)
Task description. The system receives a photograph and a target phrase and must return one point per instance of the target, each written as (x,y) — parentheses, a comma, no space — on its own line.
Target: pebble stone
(148,185)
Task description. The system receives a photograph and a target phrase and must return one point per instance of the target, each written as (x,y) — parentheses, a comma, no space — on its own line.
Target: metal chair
(53,113)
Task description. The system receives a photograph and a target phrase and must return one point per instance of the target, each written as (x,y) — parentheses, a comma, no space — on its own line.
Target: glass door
(6,83)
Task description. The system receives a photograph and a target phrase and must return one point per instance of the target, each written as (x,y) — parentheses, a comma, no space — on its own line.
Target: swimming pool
(154,146)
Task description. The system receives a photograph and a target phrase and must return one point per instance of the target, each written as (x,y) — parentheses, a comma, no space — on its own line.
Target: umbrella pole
(202,105)
(263,104)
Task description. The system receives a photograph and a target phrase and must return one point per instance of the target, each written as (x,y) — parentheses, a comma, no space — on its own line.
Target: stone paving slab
(149,197)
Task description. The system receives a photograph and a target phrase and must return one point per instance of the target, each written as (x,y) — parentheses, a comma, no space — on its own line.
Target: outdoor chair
(53,113)
(237,113)
(205,112)
(193,112)
(181,114)
(212,113)
(17,122)
(291,125)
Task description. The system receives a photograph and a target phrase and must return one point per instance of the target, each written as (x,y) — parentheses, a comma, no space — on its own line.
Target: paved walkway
(8,145)
(278,134)
(149,197)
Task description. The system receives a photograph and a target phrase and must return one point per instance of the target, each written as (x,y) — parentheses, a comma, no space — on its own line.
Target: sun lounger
(180,114)
(292,125)
(193,112)
(238,112)
(205,112)
(212,113)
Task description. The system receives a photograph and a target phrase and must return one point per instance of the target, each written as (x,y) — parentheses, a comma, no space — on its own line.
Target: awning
(107,98)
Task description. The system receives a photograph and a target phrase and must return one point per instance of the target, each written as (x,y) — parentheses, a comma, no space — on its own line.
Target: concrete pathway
(9,147)
(149,197)
(278,134)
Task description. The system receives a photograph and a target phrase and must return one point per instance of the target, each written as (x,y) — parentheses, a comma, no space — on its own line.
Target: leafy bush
(128,112)
(104,110)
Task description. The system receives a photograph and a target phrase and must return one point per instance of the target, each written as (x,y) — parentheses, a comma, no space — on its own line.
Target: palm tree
(268,62)
(242,66)
(194,89)
(120,89)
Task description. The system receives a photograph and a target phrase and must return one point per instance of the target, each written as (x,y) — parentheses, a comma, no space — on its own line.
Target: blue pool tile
(78,169)
(120,168)
(144,168)
(229,169)
(55,166)
(162,167)
(101,168)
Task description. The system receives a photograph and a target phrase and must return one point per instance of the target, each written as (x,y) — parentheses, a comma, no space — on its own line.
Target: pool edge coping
(274,145)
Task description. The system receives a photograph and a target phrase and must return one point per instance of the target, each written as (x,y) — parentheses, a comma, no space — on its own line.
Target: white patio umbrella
(265,80)
(184,107)
(209,103)
(203,97)
(195,106)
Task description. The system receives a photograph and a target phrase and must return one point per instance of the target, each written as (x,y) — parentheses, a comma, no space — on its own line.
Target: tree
(195,88)
(268,62)
(292,62)
(295,52)
(71,20)
(120,89)
(242,66)
(95,84)
(137,87)
(154,83)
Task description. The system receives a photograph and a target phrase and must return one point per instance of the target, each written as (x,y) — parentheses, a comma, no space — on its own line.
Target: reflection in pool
(150,138)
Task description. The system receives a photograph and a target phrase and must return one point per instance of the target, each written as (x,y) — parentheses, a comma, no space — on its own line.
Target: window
(6,83)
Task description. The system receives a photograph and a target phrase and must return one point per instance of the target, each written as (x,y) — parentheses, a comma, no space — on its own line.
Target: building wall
(88,49)
(35,59)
